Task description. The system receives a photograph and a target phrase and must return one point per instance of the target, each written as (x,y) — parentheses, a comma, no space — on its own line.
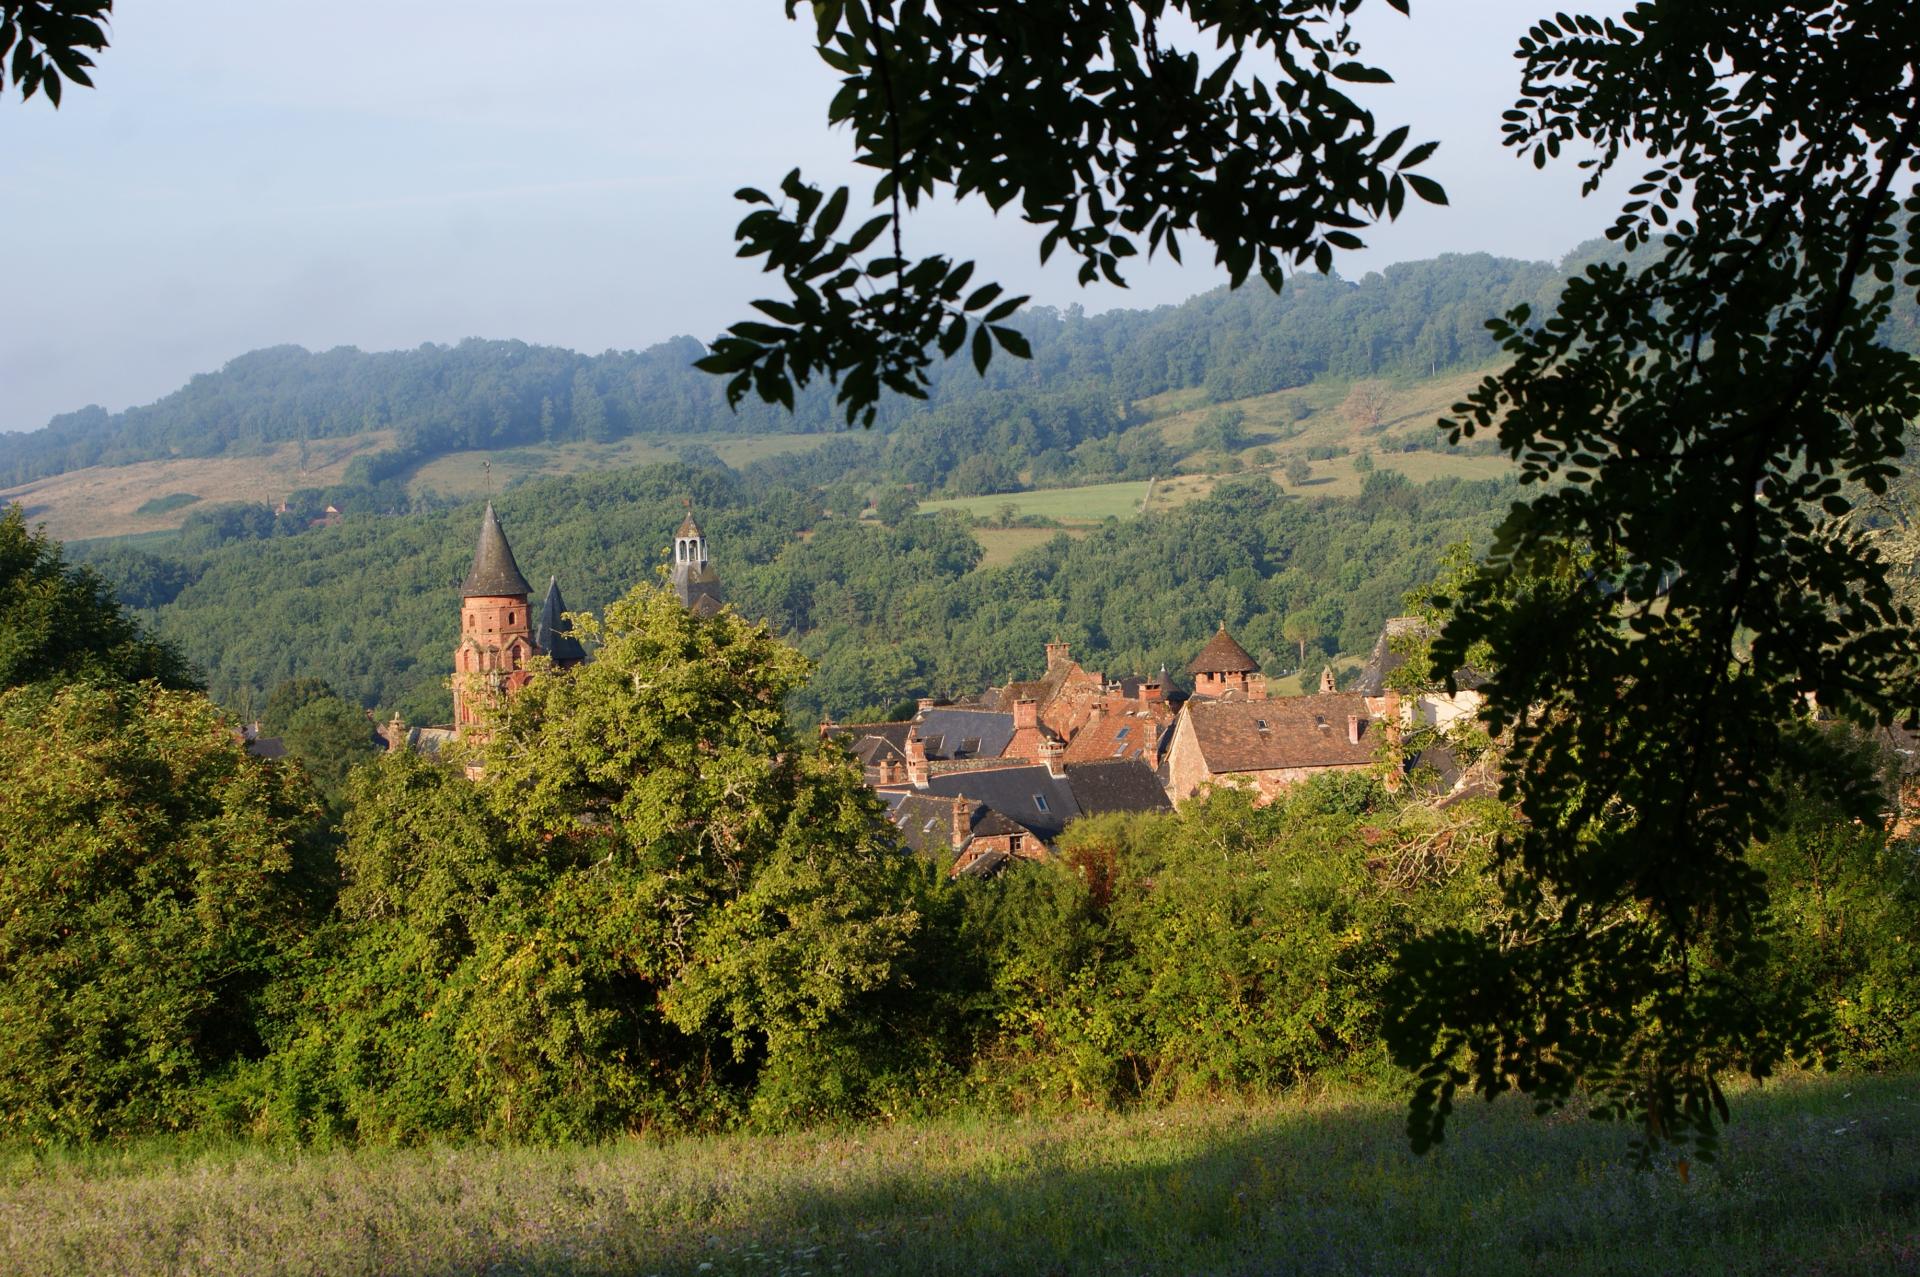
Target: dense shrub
(151,872)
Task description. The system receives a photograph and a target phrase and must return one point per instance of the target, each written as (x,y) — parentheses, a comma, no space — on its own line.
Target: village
(998,776)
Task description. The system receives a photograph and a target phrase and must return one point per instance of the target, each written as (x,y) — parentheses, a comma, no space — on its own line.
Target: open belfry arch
(694,581)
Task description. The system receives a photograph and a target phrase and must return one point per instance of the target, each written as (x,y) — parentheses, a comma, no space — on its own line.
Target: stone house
(1269,745)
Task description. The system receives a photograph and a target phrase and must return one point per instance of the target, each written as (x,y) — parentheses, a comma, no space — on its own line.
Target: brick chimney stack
(917,773)
(1151,692)
(1026,713)
(1056,654)
(926,703)
(1052,753)
(962,822)
(1353,729)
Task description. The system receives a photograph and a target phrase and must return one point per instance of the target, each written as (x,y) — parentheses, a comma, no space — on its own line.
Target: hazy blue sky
(379,174)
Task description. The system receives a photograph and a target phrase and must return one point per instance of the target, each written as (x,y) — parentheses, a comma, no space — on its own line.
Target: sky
(382,173)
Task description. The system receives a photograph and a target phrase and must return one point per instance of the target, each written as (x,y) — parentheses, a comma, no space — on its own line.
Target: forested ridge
(1413,317)
(886,612)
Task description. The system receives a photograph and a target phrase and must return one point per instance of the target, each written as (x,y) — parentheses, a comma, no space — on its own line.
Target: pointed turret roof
(494,572)
(688,528)
(1222,655)
(550,633)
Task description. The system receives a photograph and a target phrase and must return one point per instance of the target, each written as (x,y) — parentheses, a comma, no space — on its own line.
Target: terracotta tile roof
(1293,731)
(1130,733)
(1222,655)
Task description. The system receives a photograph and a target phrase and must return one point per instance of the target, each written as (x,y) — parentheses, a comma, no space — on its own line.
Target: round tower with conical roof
(496,628)
(1225,670)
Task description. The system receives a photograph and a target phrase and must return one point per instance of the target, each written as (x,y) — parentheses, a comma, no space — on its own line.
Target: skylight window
(970,745)
(1122,733)
(928,827)
(1040,802)
(1260,723)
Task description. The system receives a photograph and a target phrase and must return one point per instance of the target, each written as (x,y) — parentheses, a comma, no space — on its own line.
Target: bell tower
(496,628)
(694,580)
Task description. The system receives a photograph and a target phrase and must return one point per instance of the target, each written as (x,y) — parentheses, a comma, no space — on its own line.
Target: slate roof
(551,634)
(925,824)
(871,742)
(494,572)
(1298,731)
(688,528)
(1119,785)
(1222,655)
(1384,660)
(1015,792)
(947,730)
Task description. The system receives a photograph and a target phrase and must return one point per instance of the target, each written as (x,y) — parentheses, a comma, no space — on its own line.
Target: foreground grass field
(1814,1177)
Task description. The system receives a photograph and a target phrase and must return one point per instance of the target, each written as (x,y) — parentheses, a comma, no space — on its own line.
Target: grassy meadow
(1814,1176)
(118,501)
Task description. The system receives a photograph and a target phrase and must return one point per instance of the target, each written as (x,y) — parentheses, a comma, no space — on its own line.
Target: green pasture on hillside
(1085,505)
(1813,1177)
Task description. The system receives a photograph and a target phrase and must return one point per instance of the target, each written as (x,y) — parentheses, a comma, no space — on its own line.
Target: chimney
(1052,753)
(926,703)
(1256,686)
(916,761)
(1151,692)
(1326,681)
(1026,713)
(396,733)
(826,726)
(1393,714)
(1056,654)
(962,822)
(1353,729)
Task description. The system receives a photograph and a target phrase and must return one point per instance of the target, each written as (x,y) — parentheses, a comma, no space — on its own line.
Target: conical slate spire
(494,572)
(550,634)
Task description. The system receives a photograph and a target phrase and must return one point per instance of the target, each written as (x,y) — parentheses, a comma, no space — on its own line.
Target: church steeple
(496,629)
(494,573)
(694,580)
(550,632)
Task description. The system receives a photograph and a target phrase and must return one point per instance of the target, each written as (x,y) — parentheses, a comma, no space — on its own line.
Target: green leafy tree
(1695,414)
(51,41)
(895,504)
(1121,141)
(655,908)
(59,623)
(329,737)
(151,874)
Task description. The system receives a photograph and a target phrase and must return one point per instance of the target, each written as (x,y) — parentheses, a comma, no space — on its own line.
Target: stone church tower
(496,628)
(694,579)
